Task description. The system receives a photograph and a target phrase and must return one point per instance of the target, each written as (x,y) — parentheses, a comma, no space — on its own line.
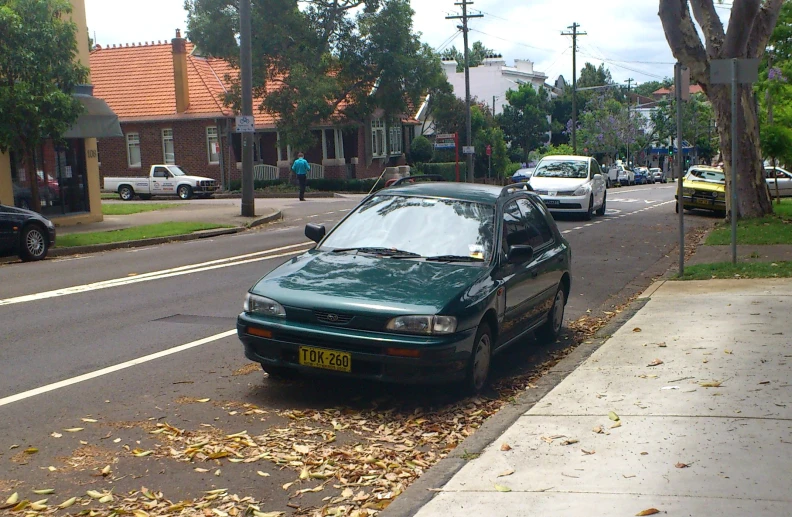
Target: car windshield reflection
(417,227)
(562,169)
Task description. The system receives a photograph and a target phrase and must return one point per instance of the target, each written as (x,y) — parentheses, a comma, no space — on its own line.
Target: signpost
(681,85)
(489,161)
(734,71)
(449,141)
(245,124)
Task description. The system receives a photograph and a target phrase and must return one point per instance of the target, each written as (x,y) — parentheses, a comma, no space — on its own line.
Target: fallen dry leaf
(31,450)
(44,491)
(682,465)
(656,362)
(505,447)
(203,400)
(727,352)
(637,329)
(713,384)
(662,345)
(262,474)
(506,473)
(11,501)
(89,420)
(598,430)
(587,453)
(615,425)
(613,416)
(74,429)
(56,435)
(569,441)
(501,488)
(648,511)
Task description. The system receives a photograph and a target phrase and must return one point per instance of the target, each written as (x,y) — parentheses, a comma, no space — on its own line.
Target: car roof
(473,192)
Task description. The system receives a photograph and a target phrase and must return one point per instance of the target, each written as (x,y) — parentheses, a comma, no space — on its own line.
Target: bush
(560,149)
(511,168)
(421,150)
(446,170)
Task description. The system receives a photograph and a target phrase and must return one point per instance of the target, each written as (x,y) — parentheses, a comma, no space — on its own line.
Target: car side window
(595,168)
(539,232)
(514,232)
(160,172)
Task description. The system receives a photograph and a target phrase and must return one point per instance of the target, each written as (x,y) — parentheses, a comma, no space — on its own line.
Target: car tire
(34,243)
(478,369)
(549,332)
(279,372)
(601,210)
(590,212)
(126,193)
(185,191)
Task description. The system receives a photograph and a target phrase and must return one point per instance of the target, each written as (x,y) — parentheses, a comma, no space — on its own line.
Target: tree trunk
(753,199)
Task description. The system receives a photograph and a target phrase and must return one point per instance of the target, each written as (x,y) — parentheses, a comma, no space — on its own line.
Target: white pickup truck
(163,180)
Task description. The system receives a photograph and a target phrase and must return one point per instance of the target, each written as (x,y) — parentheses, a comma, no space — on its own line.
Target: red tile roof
(694,89)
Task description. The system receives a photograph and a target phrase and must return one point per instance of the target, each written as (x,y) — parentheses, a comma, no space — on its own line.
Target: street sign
(489,150)
(445,136)
(445,145)
(721,71)
(468,149)
(245,124)
(684,88)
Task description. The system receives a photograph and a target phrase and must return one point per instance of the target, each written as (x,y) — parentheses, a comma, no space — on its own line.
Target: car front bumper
(566,203)
(443,358)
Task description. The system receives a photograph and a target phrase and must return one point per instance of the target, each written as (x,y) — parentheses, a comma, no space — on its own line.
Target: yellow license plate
(327,359)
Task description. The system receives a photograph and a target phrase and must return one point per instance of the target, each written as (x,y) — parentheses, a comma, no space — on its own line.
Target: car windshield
(562,168)
(176,171)
(426,227)
(707,175)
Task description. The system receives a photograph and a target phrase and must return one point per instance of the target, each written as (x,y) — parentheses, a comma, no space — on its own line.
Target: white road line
(110,369)
(166,273)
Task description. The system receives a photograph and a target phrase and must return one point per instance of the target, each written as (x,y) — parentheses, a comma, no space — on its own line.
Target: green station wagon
(421,283)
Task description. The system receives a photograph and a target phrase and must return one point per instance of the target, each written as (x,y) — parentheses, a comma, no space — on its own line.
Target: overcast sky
(625,34)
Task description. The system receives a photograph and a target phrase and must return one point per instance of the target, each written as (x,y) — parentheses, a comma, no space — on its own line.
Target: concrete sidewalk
(700,379)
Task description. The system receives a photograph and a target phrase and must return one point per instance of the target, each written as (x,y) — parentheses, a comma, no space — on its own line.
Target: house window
(133,149)
(168,155)
(213,145)
(396,140)
(378,138)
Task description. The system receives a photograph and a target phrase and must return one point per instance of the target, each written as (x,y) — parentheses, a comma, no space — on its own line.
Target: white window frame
(212,135)
(378,138)
(133,140)
(396,140)
(167,136)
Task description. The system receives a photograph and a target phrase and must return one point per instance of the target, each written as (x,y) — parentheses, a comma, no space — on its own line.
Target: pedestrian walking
(301,168)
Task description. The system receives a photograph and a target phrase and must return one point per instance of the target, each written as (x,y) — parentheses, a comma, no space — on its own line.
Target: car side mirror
(315,232)
(520,254)
(598,176)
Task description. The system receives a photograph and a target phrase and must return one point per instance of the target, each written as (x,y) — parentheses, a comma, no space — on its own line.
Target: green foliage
(38,71)
(421,149)
(136,208)
(149,231)
(477,53)
(316,61)
(319,185)
(648,88)
(776,141)
(727,270)
(511,168)
(556,150)
(524,118)
(446,170)
(492,136)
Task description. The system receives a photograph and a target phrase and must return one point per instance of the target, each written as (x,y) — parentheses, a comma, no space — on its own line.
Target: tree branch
(741,22)
(684,40)
(763,27)
(711,25)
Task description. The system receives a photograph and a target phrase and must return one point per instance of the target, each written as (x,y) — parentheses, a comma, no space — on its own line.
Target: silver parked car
(658,175)
(784,181)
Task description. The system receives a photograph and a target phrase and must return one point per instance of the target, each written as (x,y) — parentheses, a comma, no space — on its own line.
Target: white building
(493,78)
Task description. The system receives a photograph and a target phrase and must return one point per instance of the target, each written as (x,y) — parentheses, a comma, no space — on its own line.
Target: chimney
(179,45)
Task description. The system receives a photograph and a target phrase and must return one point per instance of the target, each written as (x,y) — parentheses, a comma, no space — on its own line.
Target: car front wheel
(185,192)
(590,212)
(601,210)
(550,331)
(34,244)
(479,367)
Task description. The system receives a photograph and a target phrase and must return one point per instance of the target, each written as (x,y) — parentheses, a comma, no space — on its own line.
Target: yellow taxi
(703,188)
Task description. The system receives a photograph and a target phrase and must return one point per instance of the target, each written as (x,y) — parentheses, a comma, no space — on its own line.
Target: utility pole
(469,175)
(629,90)
(246,64)
(493,104)
(574,35)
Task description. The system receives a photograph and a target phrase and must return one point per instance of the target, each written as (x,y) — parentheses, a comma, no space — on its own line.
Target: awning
(97,121)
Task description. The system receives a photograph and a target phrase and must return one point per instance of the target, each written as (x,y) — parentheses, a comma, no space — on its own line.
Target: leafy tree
(38,71)
(776,143)
(594,76)
(333,61)
(648,88)
(421,149)
(751,23)
(477,53)
(559,150)
(698,121)
(524,118)
(492,136)
(561,112)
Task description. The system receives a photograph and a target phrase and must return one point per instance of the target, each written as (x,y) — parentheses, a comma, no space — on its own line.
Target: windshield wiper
(453,258)
(387,252)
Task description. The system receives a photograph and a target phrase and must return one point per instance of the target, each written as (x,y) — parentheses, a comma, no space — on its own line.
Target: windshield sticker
(476,251)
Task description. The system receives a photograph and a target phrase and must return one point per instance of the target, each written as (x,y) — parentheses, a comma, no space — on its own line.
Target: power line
(447,42)
(512,41)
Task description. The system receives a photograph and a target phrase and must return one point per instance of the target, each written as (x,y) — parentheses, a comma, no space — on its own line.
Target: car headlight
(423,324)
(688,191)
(582,190)
(264,306)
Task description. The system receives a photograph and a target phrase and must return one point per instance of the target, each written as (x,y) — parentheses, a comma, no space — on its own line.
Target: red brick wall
(189,142)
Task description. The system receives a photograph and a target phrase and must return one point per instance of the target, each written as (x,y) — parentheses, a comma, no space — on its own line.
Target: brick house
(169,102)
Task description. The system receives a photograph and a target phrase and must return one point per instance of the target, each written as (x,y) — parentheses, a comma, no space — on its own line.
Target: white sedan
(784,181)
(572,184)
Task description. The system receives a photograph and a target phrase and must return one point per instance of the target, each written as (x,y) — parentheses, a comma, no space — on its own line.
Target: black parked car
(420,283)
(25,233)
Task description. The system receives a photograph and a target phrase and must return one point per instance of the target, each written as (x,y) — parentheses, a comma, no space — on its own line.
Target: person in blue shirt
(301,168)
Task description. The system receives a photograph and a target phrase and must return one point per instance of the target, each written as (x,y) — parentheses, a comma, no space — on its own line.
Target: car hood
(195,178)
(704,185)
(21,212)
(347,282)
(541,183)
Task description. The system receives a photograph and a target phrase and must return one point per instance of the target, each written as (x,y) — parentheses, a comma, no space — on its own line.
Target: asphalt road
(124,336)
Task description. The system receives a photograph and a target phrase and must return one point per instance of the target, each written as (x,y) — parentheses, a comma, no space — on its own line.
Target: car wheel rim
(35,243)
(481,362)
(183,193)
(558,311)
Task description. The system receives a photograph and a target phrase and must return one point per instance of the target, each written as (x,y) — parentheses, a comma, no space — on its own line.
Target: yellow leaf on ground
(44,491)
(501,488)
(14,499)
(262,474)
(649,511)
(613,416)
(67,503)
(713,384)
(74,429)
(506,473)
(31,450)
(204,400)
(89,420)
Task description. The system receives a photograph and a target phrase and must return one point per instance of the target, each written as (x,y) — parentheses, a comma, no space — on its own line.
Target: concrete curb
(275,195)
(422,491)
(205,234)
